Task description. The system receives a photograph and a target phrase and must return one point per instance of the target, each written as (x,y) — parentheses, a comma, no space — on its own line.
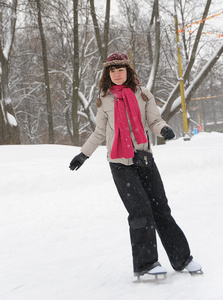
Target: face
(118,76)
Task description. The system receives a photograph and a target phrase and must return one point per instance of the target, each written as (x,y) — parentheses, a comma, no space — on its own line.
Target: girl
(125,112)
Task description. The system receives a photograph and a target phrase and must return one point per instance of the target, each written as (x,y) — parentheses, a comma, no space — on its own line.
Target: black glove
(167,133)
(77,161)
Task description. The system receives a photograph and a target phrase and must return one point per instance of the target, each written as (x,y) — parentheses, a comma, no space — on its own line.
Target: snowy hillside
(61,231)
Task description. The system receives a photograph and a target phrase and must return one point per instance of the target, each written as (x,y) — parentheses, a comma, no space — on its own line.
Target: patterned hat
(117,58)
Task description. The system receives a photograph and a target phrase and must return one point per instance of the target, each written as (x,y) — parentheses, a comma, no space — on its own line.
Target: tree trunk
(106,31)
(102,46)
(197,39)
(149,40)
(46,75)
(75,77)
(155,62)
(9,131)
(175,92)
(96,29)
(196,82)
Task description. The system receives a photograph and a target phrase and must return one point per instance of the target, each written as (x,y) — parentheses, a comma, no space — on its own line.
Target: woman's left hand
(167,133)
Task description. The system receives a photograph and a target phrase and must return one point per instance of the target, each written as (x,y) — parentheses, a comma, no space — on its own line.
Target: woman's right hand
(77,161)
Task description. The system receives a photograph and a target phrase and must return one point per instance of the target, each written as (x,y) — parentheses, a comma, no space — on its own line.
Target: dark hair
(105,82)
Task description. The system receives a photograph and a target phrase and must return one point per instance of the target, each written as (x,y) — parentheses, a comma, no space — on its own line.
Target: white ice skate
(194,268)
(156,270)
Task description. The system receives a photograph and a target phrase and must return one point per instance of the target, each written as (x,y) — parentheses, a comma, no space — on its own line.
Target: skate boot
(193,267)
(155,269)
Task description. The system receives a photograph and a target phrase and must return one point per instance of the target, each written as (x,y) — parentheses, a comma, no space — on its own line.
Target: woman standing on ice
(125,112)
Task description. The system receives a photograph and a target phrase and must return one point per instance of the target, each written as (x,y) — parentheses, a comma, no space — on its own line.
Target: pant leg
(141,222)
(172,237)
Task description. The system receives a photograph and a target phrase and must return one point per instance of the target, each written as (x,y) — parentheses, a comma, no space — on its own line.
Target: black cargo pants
(142,192)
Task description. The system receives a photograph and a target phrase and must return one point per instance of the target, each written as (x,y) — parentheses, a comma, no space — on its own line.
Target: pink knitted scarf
(125,100)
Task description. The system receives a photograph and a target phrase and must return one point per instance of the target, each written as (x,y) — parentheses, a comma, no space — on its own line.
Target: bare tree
(195,83)
(46,73)
(74,65)
(102,42)
(75,76)
(9,131)
(167,111)
(154,59)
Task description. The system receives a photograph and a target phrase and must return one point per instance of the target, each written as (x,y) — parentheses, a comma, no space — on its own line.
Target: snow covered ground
(64,234)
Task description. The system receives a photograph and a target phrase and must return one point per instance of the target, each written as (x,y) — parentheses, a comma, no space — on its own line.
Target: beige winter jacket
(104,130)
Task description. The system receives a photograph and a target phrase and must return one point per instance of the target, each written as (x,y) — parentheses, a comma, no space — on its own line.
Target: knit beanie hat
(117,58)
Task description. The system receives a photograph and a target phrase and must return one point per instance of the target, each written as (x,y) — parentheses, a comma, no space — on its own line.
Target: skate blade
(198,272)
(151,277)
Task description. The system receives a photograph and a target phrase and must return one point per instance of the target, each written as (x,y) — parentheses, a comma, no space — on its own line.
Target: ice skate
(155,270)
(194,268)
